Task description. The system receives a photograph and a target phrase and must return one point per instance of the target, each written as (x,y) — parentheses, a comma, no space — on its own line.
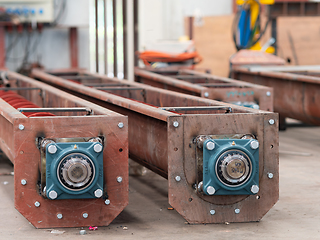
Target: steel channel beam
(207,86)
(295,96)
(164,141)
(18,135)
(294,8)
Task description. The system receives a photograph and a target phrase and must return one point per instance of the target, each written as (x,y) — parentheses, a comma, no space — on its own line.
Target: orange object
(152,56)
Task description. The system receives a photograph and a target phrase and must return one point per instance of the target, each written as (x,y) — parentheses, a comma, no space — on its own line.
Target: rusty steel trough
(72,120)
(165,133)
(208,86)
(295,95)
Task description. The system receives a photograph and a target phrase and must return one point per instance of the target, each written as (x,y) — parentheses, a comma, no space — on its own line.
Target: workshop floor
(295,216)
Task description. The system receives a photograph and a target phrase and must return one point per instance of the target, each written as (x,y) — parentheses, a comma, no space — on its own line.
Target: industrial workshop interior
(159,119)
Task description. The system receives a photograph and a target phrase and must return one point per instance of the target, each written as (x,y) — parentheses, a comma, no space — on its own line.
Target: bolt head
(211,190)
(21,127)
(237,210)
(175,124)
(37,204)
(270,175)
(178,178)
(206,94)
(212,212)
(254,144)
(210,146)
(119,179)
(268,94)
(85,215)
(52,149)
(98,193)
(271,121)
(23,182)
(254,189)
(120,125)
(53,194)
(97,147)
(107,201)
(59,216)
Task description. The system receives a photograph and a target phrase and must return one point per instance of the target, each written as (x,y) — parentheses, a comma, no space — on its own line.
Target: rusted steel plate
(208,86)
(258,58)
(164,141)
(287,8)
(20,146)
(295,96)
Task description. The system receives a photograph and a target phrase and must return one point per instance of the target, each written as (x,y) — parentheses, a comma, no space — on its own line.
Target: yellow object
(265,2)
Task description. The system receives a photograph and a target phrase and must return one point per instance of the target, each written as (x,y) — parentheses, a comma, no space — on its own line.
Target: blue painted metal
(210,166)
(83,149)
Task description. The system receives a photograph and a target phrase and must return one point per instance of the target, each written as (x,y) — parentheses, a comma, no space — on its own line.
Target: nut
(210,145)
(254,144)
(270,175)
(120,125)
(178,178)
(21,127)
(119,179)
(254,189)
(53,194)
(268,94)
(210,190)
(37,204)
(97,147)
(107,201)
(175,124)
(237,210)
(52,149)
(212,212)
(98,193)
(271,121)
(59,215)
(206,94)
(23,182)
(85,215)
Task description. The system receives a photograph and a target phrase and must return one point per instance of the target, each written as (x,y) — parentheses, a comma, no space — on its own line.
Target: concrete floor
(295,216)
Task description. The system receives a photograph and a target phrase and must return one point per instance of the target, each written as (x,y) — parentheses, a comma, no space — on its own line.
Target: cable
(61,11)
(235,23)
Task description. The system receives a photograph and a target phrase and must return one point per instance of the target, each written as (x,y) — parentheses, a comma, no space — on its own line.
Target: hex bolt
(210,190)
(107,201)
(212,212)
(268,94)
(85,215)
(175,124)
(254,144)
(52,149)
(206,94)
(23,182)
(53,194)
(271,121)
(254,189)
(119,179)
(97,147)
(98,193)
(59,215)
(270,175)
(21,127)
(120,124)
(210,146)
(178,178)
(37,204)
(237,210)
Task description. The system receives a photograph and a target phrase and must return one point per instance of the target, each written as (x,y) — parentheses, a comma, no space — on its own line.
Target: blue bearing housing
(74,170)
(230,167)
